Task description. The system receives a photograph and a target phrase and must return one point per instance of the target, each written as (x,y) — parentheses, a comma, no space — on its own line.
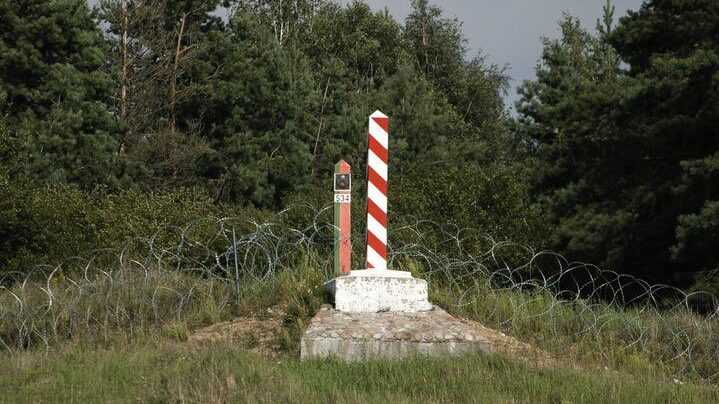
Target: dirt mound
(257,334)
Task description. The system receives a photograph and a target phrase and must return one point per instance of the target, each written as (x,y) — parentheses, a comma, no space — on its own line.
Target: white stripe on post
(374,227)
(374,260)
(378,132)
(379,166)
(376,196)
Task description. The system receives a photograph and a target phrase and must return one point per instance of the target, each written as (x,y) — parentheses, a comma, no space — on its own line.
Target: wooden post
(343,222)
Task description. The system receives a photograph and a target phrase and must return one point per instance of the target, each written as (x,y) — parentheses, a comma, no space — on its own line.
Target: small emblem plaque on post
(343,182)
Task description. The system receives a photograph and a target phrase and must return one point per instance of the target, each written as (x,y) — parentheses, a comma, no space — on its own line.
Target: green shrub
(42,225)
(479,206)
(48,224)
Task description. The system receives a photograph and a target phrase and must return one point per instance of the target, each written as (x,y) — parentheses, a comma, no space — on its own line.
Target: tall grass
(133,304)
(218,270)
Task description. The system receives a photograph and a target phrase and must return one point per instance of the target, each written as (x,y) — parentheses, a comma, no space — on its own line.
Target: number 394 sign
(343,198)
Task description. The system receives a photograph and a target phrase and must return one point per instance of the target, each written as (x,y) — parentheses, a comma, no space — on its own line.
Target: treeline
(251,111)
(623,127)
(610,158)
(163,93)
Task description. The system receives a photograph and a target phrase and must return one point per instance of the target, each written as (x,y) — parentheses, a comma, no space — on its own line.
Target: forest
(133,115)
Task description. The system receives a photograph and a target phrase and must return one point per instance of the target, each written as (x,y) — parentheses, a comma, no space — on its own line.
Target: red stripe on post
(377,180)
(377,245)
(376,212)
(378,149)
(383,123)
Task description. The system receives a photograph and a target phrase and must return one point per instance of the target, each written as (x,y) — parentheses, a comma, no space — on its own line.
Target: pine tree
(56,93)
(475,88)
(258,113)
(627,157)
(161,81)
(673,52)
(566,116)
(605,25)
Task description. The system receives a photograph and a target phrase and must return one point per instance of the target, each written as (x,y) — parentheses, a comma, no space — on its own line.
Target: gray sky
(509,31)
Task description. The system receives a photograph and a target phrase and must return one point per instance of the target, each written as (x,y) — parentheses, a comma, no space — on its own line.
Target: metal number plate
(343,198)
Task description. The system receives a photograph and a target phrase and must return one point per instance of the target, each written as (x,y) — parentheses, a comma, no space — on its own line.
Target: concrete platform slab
(392,335)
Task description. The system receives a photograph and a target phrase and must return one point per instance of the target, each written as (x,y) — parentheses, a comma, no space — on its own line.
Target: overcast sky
(509,31)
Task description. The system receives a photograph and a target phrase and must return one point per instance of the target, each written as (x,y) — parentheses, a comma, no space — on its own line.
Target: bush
(50,223)
(491,202)
(41,223)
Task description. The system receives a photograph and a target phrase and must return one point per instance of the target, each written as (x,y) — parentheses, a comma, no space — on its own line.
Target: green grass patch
(223,373)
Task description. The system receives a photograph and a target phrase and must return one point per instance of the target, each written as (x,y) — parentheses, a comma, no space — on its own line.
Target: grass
(662,344)
(120,333)
(223,373)
(142,353)
(134,305)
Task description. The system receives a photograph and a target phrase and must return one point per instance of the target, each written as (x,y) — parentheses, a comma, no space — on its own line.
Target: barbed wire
(536,295)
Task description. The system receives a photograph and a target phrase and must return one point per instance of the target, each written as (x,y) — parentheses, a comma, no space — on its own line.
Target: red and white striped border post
(377,159)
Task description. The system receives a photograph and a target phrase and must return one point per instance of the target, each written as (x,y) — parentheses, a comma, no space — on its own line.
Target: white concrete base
(374,290)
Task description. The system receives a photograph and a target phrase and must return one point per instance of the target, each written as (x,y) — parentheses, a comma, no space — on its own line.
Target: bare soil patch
(257,334)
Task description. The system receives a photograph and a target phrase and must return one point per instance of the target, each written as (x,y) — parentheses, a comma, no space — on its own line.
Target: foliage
(574,145)
(135,167)
(159,81)
(55,95)
(490,202)
(260,108)
(48,224)
(611,159)
(438,48)
(624,157)
(282,111)
(39,223)
(676,107)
